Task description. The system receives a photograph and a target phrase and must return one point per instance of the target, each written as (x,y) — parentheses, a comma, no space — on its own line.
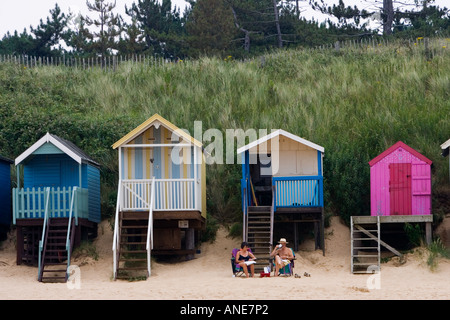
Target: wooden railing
(29,203)
(169,194)
(70,234)
(149,244)
(125,192)
(116,236)
(300,191)
(41,258)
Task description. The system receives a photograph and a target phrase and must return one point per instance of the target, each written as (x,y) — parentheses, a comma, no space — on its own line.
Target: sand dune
(209,276)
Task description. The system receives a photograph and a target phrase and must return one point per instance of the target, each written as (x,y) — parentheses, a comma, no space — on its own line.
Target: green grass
(355,103)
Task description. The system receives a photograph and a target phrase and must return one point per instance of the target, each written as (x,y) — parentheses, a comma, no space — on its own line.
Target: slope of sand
(209,276)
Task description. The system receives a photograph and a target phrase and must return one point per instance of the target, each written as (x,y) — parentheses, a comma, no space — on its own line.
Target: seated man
(283,255)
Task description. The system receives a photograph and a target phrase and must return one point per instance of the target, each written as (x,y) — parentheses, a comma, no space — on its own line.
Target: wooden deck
(393,219)
(366,239)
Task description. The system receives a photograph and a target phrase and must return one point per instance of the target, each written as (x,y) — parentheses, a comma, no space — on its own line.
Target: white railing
(149,195)
(44,231)
(170,194)
(70,234)
(116,236)
(149,245)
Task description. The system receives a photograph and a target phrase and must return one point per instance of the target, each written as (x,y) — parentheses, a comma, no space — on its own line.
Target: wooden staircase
(259,234)
(133,227)
(365,245)
(55,255)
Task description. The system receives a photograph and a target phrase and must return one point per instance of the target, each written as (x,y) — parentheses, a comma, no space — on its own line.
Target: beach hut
(58,197)
(161,197)
(400,193)
(282,183)
(445,153)
(400,182)
(5,195)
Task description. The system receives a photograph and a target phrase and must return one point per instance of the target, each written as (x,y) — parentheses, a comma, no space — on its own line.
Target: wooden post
(295,236)
(190,243)
(428,233)
(19,239)
(322,232)
(337,46)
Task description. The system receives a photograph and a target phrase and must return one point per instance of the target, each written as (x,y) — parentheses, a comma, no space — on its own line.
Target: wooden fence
(107,63)
(430,47)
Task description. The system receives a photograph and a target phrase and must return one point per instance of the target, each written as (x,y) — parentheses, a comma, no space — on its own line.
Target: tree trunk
(388,16)
(277,22)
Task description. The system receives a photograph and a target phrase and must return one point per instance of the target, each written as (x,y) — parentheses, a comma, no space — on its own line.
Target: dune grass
(355,103)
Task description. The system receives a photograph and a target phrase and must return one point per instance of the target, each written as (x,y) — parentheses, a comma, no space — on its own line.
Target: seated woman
(282,255)
(243,256)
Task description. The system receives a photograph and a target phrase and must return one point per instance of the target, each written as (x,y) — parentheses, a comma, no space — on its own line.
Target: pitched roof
(395,147)
(6,159)
(445,148)
(64,145)
(147,124)
(276,134)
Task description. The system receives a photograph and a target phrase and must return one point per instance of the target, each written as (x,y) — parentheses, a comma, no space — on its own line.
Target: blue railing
(300,191)
(30,203)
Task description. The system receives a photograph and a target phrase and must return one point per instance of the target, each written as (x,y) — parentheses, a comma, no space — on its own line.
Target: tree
(133,40)
(79,37)
(162,28)
(258,19)
(17,43)
(109,23)
(44,40)
(48,35)
(210,27)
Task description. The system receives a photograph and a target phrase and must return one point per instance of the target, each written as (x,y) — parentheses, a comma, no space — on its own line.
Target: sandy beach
(209,276)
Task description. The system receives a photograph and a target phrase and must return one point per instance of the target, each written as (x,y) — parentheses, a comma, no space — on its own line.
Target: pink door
(400,188)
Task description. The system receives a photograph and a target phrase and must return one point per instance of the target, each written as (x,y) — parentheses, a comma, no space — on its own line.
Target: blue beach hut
(60,189)
(5,195)
(282,182)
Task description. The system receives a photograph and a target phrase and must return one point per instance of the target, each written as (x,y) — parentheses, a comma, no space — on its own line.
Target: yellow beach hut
(161,198)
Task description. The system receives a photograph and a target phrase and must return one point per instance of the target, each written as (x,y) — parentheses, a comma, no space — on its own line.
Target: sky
(20,14)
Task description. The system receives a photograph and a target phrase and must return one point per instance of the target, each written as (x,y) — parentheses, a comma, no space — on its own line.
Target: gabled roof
(445,148)
(6,159)
(276,134)
(156,118)
(395,147)
(62,144)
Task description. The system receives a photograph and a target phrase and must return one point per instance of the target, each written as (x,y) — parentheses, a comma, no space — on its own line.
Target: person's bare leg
(252,270)
(244,267)
(277,265)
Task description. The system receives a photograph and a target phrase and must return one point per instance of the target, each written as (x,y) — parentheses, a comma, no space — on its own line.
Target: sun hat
(283,240)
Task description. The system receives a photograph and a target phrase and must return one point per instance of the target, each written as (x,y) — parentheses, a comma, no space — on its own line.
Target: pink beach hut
(400,182)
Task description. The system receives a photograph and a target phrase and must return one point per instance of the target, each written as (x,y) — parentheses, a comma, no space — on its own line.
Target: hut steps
(132,246)
(259,234)
(55,255)
(365,246)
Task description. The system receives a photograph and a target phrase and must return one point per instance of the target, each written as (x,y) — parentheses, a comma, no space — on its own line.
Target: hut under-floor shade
(400,182)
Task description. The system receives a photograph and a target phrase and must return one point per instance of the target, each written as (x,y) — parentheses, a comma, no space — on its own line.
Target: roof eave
(283,133)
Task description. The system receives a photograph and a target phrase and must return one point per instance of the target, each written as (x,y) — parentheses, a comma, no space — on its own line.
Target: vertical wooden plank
(34,199)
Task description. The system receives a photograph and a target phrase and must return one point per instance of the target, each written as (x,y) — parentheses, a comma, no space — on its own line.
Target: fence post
(337,46)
